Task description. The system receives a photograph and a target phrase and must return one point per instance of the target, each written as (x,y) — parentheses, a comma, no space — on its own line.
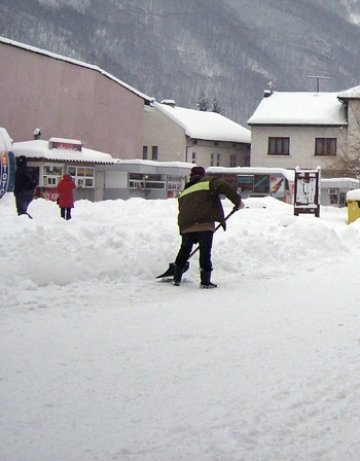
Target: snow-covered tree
(216,105)
(202,103)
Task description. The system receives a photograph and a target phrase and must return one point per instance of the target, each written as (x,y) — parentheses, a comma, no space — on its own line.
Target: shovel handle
(234,210)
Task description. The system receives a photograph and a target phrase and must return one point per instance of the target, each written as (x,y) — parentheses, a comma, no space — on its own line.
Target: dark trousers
(23,200)
(204,239)
(65,213)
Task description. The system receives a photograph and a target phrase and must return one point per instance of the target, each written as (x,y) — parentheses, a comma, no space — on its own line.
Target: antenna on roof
(318,78)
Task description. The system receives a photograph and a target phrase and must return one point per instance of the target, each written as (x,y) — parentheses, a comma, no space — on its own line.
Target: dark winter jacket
(24,180)
(200,201)
(65,190)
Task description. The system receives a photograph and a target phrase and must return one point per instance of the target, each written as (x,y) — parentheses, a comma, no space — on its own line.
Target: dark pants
(65,213)
(23,200)
(204,239)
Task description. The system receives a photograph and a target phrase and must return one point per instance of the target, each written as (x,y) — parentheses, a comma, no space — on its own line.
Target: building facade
(205,138)
(302,129)
(72,99)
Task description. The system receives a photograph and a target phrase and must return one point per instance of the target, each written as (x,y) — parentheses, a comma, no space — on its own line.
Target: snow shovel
(171,269)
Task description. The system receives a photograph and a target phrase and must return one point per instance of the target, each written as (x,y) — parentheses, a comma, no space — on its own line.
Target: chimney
(37,133)
(267,93)
(168,102)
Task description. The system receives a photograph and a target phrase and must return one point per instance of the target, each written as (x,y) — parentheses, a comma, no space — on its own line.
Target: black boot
(178,271)
(205,280)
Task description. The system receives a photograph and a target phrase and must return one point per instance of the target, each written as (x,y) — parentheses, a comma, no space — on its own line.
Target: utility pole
(318,78)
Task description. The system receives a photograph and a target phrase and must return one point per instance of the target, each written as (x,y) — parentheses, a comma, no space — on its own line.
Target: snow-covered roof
(205,125)
(351,183)
(76,62)
(137,161)
(350,93)
(39,149)
(288,174)
(300,108)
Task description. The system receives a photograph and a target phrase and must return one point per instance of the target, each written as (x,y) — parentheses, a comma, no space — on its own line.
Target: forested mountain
(230,50)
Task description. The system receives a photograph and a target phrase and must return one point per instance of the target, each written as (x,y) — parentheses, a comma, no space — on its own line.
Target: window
(146,181)
(193,157)
(325,146)
(334,196)
(136,181)
(154,181)
(232,160)
(83,176)
(217,159)
(257,183)
(154,153)
(246,183)
(279,146)
(261,183)
(174,183)
(145,152)
(51,175)
(212,159)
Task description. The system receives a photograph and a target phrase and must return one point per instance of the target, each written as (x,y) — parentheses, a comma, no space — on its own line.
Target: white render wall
(160,131)
(174,145)
(204,149)
(302,146)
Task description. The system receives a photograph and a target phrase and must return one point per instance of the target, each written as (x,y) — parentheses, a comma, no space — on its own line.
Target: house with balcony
(173,133)
(290,129)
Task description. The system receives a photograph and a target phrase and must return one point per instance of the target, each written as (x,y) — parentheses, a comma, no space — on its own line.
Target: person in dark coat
(25,183)
(199,207)
(66,197)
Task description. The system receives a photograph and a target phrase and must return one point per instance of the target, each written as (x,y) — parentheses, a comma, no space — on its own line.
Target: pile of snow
(134,240)
(100,361)
(353,195)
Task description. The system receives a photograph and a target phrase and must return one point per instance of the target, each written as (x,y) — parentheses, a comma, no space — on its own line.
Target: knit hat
(21,161)
(197,171)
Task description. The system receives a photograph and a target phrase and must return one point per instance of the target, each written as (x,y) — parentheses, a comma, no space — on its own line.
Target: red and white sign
(65,144)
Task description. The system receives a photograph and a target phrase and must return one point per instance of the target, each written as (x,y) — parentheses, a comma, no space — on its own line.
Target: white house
(206,138)
(303,129)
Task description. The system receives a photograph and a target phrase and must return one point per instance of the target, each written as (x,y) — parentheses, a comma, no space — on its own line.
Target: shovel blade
(171,270)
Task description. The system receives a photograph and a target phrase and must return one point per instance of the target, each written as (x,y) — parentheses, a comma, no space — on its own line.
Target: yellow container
(353,207)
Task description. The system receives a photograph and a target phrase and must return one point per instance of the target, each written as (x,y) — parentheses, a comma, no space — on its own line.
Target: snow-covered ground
(100,361)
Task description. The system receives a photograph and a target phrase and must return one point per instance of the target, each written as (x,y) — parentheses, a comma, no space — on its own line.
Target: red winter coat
(65,191)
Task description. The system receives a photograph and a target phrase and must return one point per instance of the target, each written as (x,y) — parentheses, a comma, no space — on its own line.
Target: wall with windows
(218,153)
(334,190)
(49,175)
(162,138)
(291,146)
(96,182)
(149,180)
(166,139)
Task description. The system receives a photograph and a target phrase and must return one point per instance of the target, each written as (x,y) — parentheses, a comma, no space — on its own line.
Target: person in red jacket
(66,197)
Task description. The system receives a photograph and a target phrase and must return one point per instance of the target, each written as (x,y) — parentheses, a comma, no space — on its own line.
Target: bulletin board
(307,192)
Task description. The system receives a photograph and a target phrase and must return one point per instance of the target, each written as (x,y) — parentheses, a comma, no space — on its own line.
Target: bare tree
(348,161)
